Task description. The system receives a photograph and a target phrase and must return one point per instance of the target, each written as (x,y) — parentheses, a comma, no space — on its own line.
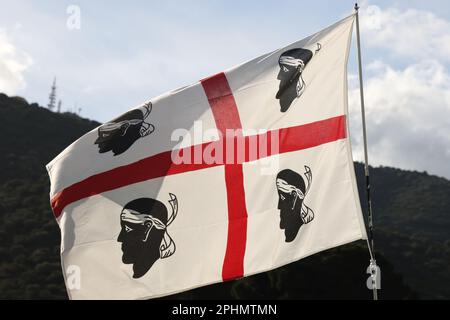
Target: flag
(236,174)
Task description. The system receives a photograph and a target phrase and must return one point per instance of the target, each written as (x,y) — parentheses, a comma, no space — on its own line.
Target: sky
(108,57)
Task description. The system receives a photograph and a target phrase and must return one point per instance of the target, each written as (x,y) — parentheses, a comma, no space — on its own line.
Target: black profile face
(291,63)
(288,206)
(141,238)
(290,202)
(119,134)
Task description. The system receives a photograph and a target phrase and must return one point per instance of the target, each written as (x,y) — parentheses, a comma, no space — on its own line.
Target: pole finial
(356,6)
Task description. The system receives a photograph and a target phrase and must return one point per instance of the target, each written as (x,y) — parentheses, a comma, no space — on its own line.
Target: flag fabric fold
(237,174)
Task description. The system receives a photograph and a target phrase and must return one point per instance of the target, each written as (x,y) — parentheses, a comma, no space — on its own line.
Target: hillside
(412,218)
(413,221)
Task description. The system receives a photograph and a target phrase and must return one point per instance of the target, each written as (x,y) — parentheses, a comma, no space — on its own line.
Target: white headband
(285,187)
(306,213)
(291,61)
(112,126)
(167,246)
(132,216)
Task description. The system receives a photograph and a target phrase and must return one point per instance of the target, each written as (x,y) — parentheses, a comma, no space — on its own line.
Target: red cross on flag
(236,174)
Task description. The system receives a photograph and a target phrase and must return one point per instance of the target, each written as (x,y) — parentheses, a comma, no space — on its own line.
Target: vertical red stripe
(226,115)
(233,264)
(222,102)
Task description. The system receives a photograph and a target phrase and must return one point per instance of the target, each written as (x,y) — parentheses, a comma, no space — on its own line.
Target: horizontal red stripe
(312,134)
(156,166)
(291,139)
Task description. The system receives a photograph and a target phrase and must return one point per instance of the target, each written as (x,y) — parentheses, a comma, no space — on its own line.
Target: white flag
(234,175)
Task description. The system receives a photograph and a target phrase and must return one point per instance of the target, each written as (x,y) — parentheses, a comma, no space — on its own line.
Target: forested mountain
(412,227)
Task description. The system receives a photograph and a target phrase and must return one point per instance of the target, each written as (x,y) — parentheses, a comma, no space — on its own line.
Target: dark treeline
(412,222)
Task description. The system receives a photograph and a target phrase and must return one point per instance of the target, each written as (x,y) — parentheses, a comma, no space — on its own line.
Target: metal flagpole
(373,266)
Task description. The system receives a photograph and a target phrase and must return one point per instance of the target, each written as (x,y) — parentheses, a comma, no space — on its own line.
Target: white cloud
(407,90)
(413,34)
(407,114)
(13,63)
